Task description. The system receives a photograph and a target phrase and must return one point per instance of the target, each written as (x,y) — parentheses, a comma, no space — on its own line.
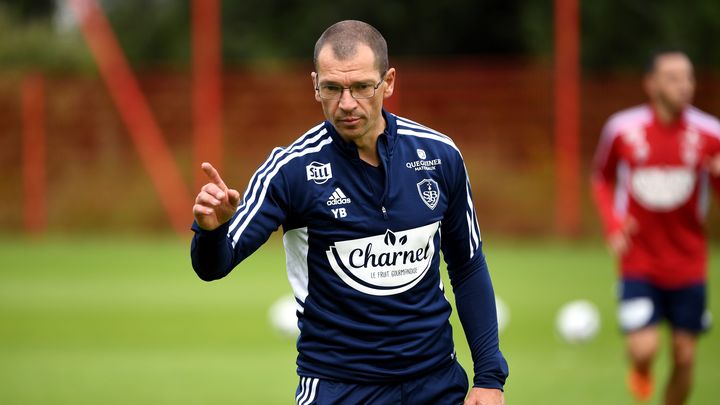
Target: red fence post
(207,98)
(567,117)
(33,154)
(135,112)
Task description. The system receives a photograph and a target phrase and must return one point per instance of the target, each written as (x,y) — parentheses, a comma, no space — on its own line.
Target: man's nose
(347,102)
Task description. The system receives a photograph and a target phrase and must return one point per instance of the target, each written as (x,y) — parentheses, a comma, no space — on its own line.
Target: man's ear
(390,83)
(649,85)
(313,75)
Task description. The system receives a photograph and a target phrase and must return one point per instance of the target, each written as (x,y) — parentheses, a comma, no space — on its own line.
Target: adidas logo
(338,198)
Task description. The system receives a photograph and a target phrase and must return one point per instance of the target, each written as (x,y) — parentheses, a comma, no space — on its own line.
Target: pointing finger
(213,175)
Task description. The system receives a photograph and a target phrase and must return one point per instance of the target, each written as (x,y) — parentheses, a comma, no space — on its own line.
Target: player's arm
(712,163)
(618,230)
(715,174)
(227,230)
(474,296)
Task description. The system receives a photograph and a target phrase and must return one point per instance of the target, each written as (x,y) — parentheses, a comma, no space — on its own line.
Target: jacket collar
(387,139)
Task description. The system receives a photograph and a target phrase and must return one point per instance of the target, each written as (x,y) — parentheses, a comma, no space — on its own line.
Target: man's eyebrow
(333,82)
(330,82)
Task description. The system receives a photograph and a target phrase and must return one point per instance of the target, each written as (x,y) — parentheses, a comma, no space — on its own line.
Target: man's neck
(665,114)
(367,145)
(367,149)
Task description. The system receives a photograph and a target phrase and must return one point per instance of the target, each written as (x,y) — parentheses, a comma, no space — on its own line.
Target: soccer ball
(282,316)
(503,314)
(578,321)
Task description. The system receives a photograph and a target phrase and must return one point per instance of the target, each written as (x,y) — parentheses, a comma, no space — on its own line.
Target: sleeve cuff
(494,373)
(216,234)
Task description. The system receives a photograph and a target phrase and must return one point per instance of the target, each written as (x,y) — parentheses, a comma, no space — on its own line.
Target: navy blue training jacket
(363,253)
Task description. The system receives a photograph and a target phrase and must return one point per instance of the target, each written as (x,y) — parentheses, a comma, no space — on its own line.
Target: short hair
(343,38)
(654,55)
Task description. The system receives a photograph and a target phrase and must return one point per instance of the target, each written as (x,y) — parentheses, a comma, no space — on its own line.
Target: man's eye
(362,86)
(332,89)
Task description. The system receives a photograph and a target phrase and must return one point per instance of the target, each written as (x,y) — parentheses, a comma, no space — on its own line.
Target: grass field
(121,321)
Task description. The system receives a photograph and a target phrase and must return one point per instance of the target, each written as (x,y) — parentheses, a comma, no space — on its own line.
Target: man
(650,182)
(366,201)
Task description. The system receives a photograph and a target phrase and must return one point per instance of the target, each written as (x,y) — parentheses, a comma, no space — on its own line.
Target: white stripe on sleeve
(250,194)
(266,183)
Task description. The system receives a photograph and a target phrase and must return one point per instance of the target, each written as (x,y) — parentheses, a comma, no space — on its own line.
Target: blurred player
(650,182)
(366,201)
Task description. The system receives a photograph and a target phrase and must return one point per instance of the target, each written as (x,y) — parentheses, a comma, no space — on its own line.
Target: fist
(620,241)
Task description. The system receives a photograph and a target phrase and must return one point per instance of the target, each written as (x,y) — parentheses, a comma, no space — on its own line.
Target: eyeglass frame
(342,89)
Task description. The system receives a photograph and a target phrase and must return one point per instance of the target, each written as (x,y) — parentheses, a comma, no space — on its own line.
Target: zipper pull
(384,212)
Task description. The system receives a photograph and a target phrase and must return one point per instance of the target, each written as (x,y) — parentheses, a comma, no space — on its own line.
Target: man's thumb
(234,197)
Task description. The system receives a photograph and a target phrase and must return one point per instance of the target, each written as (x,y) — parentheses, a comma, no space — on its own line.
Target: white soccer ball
(578,321)
(283,318)
(503,314)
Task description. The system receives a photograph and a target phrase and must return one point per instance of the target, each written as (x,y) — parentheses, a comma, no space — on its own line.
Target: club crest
(429,192)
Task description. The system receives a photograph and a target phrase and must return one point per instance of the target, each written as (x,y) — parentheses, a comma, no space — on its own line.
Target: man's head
(343,38)
(352,77)
(670,80)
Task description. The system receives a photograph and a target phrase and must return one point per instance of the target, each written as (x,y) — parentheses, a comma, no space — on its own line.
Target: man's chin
(682,103)
(680,109)
(349,131)
(348,135)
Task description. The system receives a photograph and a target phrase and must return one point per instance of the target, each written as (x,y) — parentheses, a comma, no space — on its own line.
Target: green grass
(118,321)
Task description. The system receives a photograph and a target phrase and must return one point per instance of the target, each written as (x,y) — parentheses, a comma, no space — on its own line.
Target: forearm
(603,196)
(211,253)
(475,302)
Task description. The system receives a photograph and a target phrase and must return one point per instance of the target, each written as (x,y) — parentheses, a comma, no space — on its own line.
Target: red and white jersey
(655,173)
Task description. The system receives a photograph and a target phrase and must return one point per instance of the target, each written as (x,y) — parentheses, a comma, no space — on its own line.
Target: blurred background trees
(468,67)
(615,34)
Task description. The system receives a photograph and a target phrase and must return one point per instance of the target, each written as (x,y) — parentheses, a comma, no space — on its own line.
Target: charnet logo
(386,264)
(318,172)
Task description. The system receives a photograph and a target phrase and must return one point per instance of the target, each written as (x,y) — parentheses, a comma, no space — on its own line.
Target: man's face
(353,118)
(672,83)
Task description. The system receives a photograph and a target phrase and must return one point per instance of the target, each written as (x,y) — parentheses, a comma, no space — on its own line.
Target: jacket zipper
(386,168)
(365,174)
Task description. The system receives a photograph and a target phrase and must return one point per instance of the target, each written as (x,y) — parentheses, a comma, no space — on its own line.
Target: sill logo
(386,264)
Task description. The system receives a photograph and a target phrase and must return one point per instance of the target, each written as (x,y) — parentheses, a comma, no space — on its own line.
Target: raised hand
(215,204)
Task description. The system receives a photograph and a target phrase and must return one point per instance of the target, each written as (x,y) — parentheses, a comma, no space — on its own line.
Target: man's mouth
(349,120)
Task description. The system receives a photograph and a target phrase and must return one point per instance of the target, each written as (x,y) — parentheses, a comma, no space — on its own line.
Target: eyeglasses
(358,91)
